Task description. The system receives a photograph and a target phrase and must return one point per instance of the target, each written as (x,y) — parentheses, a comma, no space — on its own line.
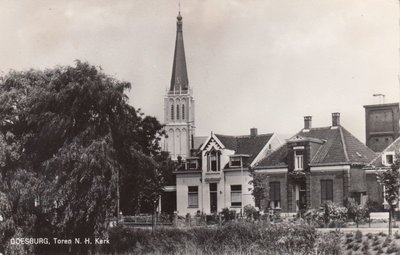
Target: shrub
(376,243)
(370,235)
(365,246)
(251,212)
(379,251)
(359,236)
(374,206)
(355,211)
(228,215)
(329,243)
(233,237)
(386,242)
(392,248)
(348,240)
(356,246)
(382,234)
(331,214)
(350,246)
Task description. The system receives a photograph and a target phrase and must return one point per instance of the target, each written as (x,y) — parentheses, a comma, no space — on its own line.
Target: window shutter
(323,190)
(330,190)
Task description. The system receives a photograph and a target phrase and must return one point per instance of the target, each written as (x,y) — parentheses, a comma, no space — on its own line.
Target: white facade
(218,184)
(179,123)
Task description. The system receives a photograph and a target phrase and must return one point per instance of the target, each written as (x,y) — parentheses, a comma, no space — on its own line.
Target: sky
(251,63)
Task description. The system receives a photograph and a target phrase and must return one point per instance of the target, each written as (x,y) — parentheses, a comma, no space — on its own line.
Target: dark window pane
(193,188)
(236,187)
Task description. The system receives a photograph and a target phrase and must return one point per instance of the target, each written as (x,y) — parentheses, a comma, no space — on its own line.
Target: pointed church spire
(179,79)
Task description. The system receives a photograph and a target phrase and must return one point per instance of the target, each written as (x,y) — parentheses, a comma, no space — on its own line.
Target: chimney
(253,132)
(307,122)
(335,119)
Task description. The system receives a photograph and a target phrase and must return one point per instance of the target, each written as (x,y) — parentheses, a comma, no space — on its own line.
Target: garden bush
(233,237)
(251,212)
(228,215)
(330,214)
(392,248)
(359,236)
(329,243)
(386,242)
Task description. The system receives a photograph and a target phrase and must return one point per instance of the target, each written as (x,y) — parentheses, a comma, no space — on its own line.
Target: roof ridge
(243,136)
(316,128)
(344,144)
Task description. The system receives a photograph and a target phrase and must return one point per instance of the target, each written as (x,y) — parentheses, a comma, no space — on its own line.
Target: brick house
(217,176)
(314,166)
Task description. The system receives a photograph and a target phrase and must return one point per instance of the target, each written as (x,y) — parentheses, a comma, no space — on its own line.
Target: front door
(213,198)
(301,196)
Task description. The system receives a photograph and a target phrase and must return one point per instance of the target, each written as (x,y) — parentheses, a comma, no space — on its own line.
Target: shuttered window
(326,190)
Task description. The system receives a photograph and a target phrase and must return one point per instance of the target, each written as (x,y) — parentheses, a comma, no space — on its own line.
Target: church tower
(179,103)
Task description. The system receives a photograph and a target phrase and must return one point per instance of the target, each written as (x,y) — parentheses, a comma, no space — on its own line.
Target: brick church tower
(179,103)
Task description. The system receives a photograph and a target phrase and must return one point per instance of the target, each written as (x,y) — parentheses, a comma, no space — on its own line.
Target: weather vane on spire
(179,6)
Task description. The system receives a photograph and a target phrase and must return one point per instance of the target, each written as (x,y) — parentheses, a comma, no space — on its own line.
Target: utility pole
(241,180)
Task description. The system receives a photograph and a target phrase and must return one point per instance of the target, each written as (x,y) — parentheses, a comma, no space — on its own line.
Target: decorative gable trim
(212,141)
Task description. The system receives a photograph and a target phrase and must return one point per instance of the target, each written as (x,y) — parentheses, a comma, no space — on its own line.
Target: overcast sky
(263,64)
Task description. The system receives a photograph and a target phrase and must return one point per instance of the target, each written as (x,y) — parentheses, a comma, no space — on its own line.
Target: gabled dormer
(211,152)
(301,149)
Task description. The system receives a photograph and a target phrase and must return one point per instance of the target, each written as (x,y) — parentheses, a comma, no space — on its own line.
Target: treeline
(68,141)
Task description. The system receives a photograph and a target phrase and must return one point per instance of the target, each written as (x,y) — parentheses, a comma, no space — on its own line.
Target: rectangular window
(235,161)
(236,195)
(213,159)
(275,194)
(388,158)
(193,194)
(326,190)
(192,164)
(298,160)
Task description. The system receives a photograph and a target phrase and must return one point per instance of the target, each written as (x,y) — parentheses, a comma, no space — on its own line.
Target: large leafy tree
(68,137)
(390,179)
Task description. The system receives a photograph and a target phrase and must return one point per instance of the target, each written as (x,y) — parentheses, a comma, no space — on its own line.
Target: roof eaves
(270,167)
(256,158)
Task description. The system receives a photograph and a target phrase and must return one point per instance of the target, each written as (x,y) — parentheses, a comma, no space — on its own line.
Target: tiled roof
(393,147)
(339,146)
(277,158)
(251,145)
(198,141)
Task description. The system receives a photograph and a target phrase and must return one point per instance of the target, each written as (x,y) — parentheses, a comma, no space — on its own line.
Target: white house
(217,176)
